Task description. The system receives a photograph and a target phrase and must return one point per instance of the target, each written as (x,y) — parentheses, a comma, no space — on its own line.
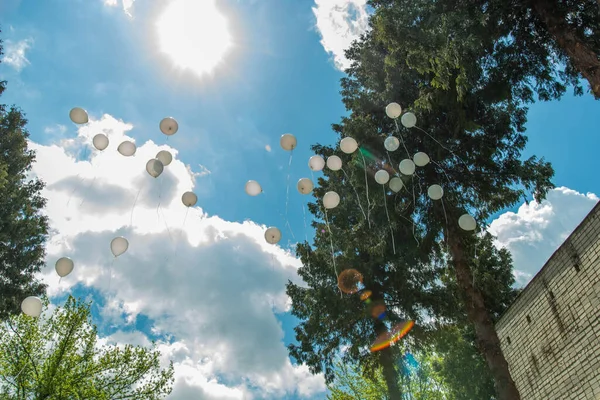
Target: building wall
(550,336)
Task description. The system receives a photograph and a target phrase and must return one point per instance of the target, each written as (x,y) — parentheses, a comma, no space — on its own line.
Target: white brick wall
(556,353)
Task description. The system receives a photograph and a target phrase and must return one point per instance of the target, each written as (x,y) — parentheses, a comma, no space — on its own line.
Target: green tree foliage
(530,46)
(474,134)
(418,380)
(60,358)
(23,227)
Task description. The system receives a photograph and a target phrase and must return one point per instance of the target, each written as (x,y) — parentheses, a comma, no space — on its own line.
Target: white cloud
(127,5)
(536,230)
(14,53)
(340,22)
(210,284)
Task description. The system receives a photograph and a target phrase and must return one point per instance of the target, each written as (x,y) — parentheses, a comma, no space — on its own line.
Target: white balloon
(467,222)
(348,145)
(393,110)
(305,186)
(118,246)
(79,116)
(64,266)
(154,167)
(408,120)
(100,141)
(391,143)
(435,192)
(382,177)
(272,235)
(253,188)
(421,159)
(396,184)
(169,126)
(32,306)
(331,200)
(316,163)
(165,157)
(407,167)
(334,163)
(288,141)
(127,148)
(189,199)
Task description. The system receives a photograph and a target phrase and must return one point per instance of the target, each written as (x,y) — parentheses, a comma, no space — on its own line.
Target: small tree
(60,358)
(23,229)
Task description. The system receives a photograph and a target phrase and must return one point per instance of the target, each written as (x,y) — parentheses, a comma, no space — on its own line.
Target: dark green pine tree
(533,45)
(474,138)
(23,228)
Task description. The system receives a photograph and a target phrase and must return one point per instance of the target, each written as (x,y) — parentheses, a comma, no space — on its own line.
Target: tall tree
(474,134)
(60,358)
(23,228)
(535,45)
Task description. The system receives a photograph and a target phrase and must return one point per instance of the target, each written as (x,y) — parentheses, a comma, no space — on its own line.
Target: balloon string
(80,180)
(415,205)
(287,190)
(159,197)
(445,148)
(88,188)
(305,225)
(134,203)
(355,192)
(446,230)
(110,272)
(389,220)
(332,250)
(366,188)
(402,139)
(443,171)
(391,164)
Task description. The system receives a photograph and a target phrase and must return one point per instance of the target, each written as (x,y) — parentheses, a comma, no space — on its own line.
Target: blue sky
(280,76)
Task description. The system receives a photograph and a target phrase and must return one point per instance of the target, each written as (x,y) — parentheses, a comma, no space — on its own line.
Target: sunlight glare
(194,34)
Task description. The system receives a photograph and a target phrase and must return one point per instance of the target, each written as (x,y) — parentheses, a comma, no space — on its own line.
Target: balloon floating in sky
(100,141)
(348,145)
(350,280)
(467,222)
(32,306)
(79,116)
(396,184)
(288,142)
(165,157)
(435,192)
(305,186)
(316,163)
(331,200)
(334,163)
(189,199)
(272,235)
(253,188)
(118,246)
(169,126)
(407,167)
(382,177)
(391,143)
(393,110)
(127,148)
(154,168)
(421,159)
(408,120)
(64,266)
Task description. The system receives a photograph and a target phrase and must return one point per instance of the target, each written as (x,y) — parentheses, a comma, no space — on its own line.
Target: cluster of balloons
(350,281)
(32,305)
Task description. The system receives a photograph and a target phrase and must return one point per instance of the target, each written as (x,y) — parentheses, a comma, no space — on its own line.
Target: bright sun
(194,34)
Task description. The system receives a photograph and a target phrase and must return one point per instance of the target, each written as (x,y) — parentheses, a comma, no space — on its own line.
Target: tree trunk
(583,58)
(390,374)
(487,338)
